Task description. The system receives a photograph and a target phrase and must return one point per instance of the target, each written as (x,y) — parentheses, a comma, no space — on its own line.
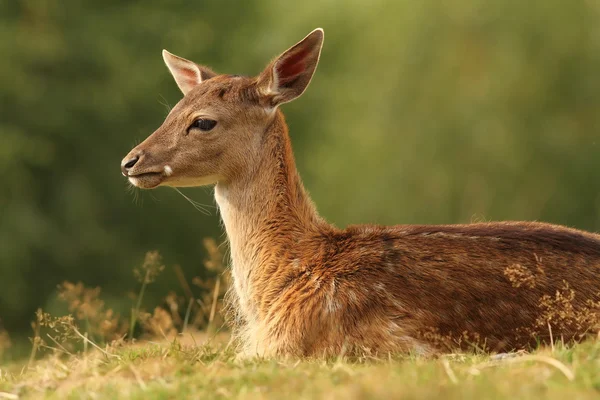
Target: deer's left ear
(186,73)
(288,75)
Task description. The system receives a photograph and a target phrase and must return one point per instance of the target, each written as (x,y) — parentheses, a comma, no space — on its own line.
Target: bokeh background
(420,112)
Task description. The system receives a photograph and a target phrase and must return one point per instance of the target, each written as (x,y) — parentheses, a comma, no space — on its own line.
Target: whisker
(135,193)
(156,199)
(137,141)
(165,103)
(198,206)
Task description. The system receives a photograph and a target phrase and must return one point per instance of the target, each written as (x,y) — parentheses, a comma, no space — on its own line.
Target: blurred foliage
(420,112)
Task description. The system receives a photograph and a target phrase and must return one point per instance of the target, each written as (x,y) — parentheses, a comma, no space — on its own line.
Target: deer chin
(148,180)
(188,181)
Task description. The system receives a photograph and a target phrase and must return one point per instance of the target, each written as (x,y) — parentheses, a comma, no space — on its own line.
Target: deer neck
(265,212)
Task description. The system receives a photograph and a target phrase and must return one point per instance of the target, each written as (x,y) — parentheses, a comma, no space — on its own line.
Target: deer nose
(127,164)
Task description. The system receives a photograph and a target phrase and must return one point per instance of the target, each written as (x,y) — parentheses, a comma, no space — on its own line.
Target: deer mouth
(146,180)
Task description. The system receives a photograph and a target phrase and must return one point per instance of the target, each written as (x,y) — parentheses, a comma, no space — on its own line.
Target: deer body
(305,288)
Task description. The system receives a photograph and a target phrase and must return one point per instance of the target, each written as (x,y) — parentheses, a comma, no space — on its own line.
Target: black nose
(129,164)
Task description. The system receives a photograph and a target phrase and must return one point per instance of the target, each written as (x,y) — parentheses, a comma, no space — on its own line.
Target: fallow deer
(306,288)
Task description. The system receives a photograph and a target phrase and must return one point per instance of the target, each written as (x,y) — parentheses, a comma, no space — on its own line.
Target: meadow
(197,366)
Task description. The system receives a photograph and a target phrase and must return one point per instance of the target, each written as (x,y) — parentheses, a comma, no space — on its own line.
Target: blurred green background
(420,112)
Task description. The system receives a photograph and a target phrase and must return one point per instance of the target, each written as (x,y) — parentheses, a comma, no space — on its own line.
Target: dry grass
(197,366)
(91,324)
(559,311)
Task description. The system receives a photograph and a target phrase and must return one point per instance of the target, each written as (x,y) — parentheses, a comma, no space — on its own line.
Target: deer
(305,288)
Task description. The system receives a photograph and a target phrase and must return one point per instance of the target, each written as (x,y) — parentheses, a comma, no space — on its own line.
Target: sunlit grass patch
(170,369)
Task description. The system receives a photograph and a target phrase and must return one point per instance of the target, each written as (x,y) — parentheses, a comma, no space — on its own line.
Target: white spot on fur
(332,305)
(317,282)
(380,287)
(459,309)
(168,170)
(398,305)
(352,296)
(393,327)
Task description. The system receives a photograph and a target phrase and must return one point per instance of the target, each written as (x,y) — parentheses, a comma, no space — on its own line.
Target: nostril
(131,163)
(127,165)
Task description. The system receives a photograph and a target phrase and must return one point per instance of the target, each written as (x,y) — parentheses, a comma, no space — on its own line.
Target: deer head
(213,134)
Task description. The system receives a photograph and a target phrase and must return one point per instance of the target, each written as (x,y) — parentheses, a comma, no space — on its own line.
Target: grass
(90,354)
(186,368)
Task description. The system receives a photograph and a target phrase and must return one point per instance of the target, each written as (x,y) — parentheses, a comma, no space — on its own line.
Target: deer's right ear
(289,74)
(186,73)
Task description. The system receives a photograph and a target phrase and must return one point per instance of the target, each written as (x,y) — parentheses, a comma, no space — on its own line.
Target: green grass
(177,370)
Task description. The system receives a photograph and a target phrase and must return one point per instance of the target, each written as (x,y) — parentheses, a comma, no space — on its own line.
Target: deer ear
(186,73)
(288,75)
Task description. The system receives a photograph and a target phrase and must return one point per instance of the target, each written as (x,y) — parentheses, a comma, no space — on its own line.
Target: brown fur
(305,288)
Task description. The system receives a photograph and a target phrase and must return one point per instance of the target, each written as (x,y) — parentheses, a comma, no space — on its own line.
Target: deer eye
(204,125)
